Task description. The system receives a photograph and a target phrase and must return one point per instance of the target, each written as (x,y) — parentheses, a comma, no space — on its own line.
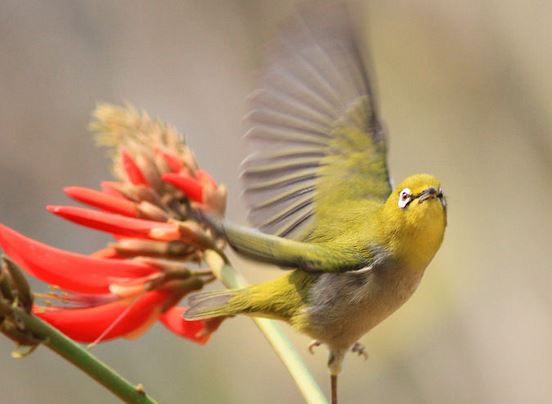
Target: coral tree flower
(155,260)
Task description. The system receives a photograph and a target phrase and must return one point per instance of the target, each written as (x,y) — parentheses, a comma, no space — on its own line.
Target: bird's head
(415,213)
(417,196)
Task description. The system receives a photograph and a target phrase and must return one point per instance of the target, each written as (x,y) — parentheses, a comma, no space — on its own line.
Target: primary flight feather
(313,127)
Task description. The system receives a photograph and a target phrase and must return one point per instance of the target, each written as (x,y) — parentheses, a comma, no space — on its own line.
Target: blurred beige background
(466,91)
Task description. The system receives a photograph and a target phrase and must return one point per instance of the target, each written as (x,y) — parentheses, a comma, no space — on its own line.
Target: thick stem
(279,342)
(81,358)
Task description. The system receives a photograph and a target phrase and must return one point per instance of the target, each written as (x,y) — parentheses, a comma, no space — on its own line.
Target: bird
(320,196)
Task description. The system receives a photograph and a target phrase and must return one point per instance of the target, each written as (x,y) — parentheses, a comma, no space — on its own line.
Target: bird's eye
(404,198)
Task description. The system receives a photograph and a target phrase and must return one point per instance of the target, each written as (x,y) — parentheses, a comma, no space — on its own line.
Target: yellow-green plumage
(393,247)
(281,298)
(318,188)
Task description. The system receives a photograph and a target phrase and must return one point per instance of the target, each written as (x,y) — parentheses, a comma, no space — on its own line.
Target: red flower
(121,290)
(126,317)
(111,297)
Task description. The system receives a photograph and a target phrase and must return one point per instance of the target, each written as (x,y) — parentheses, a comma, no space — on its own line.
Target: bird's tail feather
(210,304)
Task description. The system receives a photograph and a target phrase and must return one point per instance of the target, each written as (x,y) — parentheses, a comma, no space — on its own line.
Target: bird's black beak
(426,194)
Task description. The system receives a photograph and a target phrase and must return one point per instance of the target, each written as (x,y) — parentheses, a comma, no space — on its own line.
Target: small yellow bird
(318,188)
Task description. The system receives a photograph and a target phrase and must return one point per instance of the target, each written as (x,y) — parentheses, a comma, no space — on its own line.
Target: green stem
(272,332)
(82,359)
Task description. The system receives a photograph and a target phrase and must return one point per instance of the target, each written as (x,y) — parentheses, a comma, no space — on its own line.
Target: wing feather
(315,136)
(284,197)
(293,225)
(275,134)
(278,167)
(290,210)
(282,119)
(283,100)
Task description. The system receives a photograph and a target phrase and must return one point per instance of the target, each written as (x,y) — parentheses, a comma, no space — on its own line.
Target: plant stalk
(280,343)
(81,358)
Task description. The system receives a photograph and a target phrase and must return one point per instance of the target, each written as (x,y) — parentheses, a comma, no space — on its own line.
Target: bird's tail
(210,304)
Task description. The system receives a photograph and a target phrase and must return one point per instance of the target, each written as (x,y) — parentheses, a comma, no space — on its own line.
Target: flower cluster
(154,212)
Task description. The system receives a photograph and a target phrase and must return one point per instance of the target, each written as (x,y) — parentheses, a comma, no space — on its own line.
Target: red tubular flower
(107,252)
(122,318)
(129,318)
(133,172)
(110,188)
(71,271)
(121,290)
(175,163)
(199,331)
(190,186)
(201,188)
(117,302)
(111,223)
(102,200)
(204,177)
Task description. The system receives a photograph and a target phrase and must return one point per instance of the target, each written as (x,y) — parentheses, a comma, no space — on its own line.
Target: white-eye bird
(318,188)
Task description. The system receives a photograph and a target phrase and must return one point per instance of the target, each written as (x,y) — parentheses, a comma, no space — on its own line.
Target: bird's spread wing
(316,139)
(296,254)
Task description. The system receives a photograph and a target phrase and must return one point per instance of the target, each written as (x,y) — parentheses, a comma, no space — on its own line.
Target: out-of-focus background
(466,92)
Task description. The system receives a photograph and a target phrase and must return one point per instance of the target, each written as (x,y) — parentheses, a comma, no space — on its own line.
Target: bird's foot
(359,349)
(314,344)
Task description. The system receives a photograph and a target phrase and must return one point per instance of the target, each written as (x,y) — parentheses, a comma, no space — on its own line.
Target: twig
(80,357)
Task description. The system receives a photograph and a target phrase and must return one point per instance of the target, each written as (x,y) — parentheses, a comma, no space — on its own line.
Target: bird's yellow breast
(421,237)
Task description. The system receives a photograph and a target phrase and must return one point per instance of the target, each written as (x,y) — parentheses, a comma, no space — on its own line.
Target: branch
(79,356)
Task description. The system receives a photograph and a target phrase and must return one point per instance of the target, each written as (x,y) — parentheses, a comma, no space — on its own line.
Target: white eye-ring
(404,198)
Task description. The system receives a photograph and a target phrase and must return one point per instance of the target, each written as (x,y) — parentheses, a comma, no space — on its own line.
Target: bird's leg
(334,388)
(359,349)
(334,365)
(314,344)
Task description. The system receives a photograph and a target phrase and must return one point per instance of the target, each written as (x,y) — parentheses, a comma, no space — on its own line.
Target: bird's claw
(312,345)
(359,349)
